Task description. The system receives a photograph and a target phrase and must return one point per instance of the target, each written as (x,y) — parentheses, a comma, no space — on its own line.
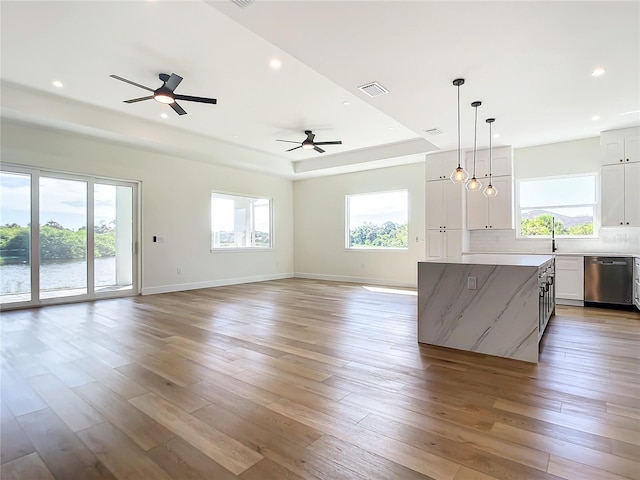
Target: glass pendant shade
(490,191)
(474,185)
(459,175)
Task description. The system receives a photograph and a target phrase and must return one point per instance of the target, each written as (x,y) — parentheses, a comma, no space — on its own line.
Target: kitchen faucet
(553,234)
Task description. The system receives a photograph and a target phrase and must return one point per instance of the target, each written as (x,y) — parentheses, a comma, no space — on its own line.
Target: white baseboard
(567,301)
(213,283)
(367,280)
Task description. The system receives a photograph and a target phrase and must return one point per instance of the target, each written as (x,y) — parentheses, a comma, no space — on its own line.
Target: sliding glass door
(114,245)
(15,237)
(63,237)
(83,245)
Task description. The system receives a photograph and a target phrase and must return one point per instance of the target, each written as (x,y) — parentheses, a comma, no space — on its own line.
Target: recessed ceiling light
(346,103)
(598,72)
(164,115)
(57,84)
(595,118)
(392,128)
(496,135)
(275,63)
(236,136)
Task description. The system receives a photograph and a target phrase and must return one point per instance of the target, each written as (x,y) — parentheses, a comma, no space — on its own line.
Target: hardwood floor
(303,379)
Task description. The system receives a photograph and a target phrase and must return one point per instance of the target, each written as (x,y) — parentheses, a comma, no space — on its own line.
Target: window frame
(595,205)
(251,221)
(347,223)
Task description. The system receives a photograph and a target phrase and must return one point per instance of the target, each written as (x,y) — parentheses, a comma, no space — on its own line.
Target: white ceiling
(530,64)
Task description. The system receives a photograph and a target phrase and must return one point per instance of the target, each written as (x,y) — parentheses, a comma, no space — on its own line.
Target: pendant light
(490,190)
(459,175)
(474,184)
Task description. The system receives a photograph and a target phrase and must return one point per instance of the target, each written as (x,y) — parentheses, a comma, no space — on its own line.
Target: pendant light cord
(490,153)
(459,126)
(475,139)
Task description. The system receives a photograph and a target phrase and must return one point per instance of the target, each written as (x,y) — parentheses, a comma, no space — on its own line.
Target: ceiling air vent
(433,131)
(243,3)
(373,89)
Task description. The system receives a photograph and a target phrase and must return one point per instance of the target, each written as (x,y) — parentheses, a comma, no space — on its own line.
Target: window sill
(242,250)
(374,249)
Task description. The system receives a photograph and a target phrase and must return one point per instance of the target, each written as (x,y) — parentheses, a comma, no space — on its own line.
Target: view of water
(57,275)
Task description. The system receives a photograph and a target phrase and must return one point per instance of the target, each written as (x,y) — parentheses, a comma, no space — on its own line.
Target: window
(378,220)
(569,202)
(240,222)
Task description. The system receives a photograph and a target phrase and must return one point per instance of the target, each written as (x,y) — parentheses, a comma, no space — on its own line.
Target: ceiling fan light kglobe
(459,175)
(163,98)
(308,145)
(473,185)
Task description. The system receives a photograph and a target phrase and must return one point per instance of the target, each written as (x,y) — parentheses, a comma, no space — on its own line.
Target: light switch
(471,283)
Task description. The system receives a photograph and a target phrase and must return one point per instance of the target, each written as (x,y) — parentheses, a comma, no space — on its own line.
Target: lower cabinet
(636,282)
(444,243)
(570,279)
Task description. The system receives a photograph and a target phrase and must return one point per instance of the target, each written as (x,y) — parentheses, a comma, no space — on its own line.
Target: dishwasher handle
(609,262)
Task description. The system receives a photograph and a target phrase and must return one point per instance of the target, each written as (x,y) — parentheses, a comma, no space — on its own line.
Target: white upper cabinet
(620,146)
(620,195)
(491,213)
(620,177)
(501,164)
(444,204)
(440,166)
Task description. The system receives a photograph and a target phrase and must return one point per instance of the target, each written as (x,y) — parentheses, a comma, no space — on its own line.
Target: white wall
(175,204)
(320,227)
(565,158)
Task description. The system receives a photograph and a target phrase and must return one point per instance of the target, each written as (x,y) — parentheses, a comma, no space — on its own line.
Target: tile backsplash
(611,240)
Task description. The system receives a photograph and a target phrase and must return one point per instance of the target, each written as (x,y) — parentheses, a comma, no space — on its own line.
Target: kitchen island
(486,303)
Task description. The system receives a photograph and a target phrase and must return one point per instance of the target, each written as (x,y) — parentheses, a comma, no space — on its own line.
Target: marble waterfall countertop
(482,303)
(560,253)
(532,260)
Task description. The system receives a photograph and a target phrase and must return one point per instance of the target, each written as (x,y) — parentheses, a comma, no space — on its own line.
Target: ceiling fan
(309,144)
(165,94)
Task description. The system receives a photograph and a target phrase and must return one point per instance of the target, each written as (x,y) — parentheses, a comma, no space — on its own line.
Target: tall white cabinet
(444,207)
(620,177)
(496,212)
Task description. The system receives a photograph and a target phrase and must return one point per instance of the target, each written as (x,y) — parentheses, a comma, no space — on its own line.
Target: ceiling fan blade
(288,141)
(318,149)
(294,148)
(177,108)
(130,82)
(134,100)
(189,98)
(173,82)
(337,142)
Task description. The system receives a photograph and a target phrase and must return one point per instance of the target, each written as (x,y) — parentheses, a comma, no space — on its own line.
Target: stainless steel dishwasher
(608,280)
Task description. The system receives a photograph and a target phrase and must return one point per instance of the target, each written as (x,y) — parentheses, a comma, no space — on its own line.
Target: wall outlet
(472,283)
(179,271)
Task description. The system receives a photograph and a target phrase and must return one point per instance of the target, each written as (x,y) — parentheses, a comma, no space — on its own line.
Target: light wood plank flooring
(303,379)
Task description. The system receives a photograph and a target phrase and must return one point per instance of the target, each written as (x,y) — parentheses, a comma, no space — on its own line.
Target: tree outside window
(378,220)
